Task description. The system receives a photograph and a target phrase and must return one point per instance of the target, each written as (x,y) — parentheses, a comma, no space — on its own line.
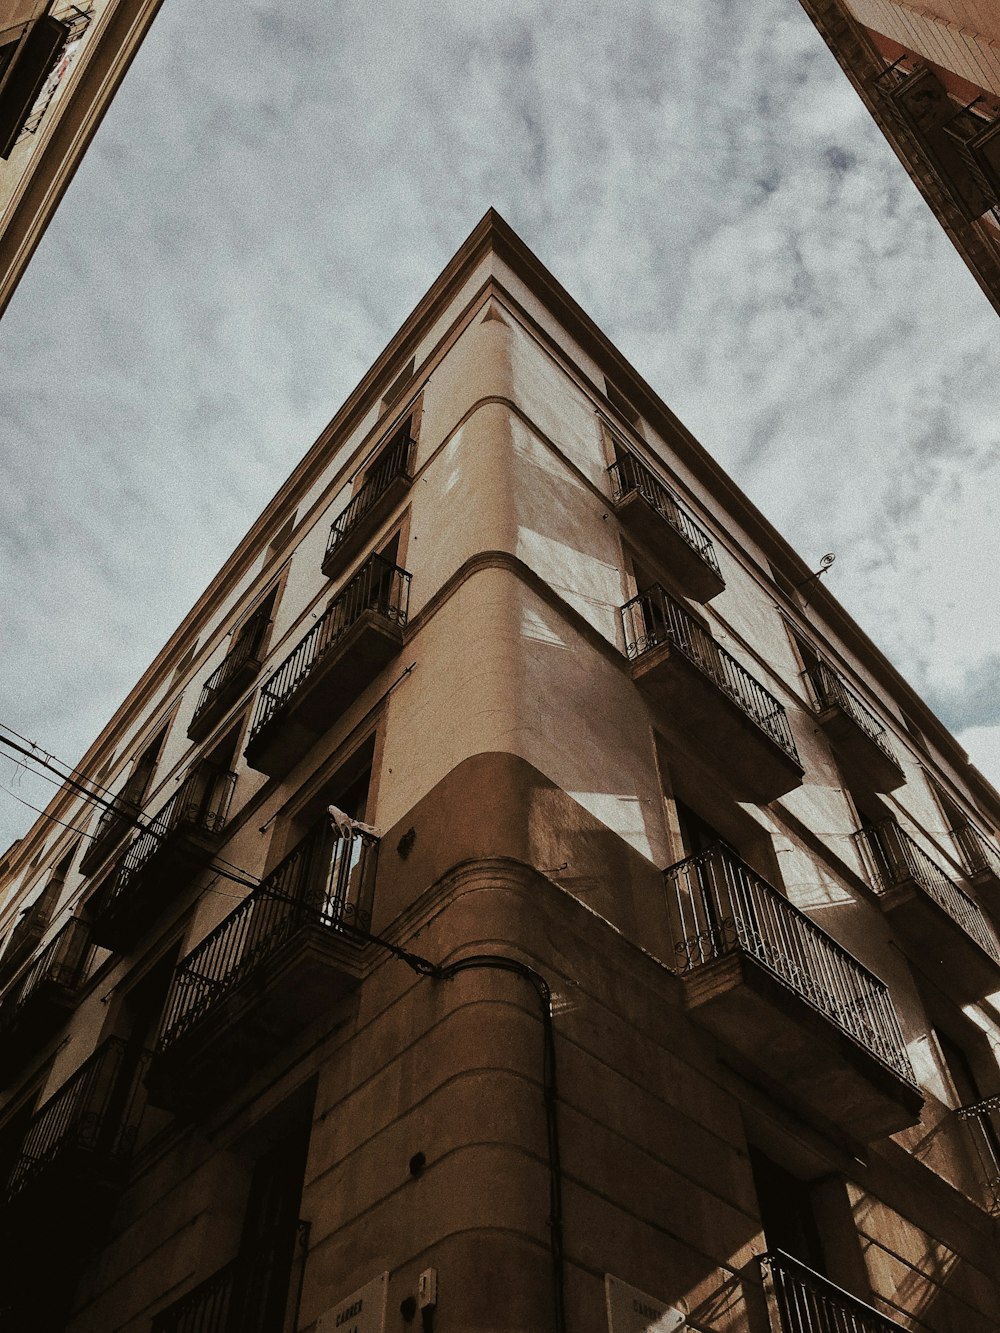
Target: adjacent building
(930,75)
(61,62)
(517,897)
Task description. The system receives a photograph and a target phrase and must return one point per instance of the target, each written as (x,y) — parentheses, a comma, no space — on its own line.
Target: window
(249,639)
(396,388)
(787,1212)
(121,814)
(618,401)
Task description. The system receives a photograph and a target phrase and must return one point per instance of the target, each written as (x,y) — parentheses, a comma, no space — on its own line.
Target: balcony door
(270,1228)
(787,1212)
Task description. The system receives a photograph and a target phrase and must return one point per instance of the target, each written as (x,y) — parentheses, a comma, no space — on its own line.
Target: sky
(275,186)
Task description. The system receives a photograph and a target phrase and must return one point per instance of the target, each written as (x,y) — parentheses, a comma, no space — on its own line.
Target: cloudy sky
(276,185)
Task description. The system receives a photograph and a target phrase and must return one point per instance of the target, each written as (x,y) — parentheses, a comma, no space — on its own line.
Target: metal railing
(961,129)
(200,803)
(247,1295)
(243,652)
(800,1301)
(894,858)
(378,586)
(121,815)
(829,690)
(630,474)
(718,905)
(978,853)
(654,617)
(982,1119)
(326,881)
(211,1307)
(392,462)
(64,962)
(96,1110)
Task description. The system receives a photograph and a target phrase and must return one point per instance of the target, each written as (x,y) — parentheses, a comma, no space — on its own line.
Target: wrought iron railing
(982,1119)
(800,1301)
(378,586)
(894,859)
(121,815)
(200,803)
(211,1307)
(242,654)
(392,462)
(64,962)
(978,853)
(97,1110)
(326,881)
(966,127)
(654,617)
(630,474)
(962,128)
(830,690)
(247,1295)
(718,905)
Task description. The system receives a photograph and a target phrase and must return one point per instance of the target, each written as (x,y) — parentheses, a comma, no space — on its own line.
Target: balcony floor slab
(779,1037)
(756,766)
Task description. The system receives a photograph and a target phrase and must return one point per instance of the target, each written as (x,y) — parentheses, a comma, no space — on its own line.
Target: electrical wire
(52,819)
(423,967)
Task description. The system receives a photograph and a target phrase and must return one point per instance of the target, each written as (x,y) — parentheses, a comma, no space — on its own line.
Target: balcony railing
(61,967)
(112,826)
(800,1301)
(718,906)
(173,841)
(654,617)
(630,474)
(830,690)
(214,1306)
(982,1119)
(247,1295)
(200,803)
(951,136)
(325,882)
(96,1112)
(392,462)
(978,853)
(896,860)
(236,671)
(379,586)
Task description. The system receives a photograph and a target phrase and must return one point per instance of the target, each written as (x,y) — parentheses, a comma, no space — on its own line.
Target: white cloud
(266,200)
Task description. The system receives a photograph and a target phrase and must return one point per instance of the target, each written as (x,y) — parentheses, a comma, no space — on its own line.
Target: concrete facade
(930,76)
(70,86)
(493,1040)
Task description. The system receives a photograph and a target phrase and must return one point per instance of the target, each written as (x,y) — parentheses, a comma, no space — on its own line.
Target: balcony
(797,1011)
(112,826)
(387,482)
(43,995)
(800,1301)
(937,923)
(650,512)
(960,145)
(248,1295)
(356,636)
(713,700)
(982,1120)
(177,842)
(224,686)
(855,733)
(980,858)
(282,958)
(73,1158)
